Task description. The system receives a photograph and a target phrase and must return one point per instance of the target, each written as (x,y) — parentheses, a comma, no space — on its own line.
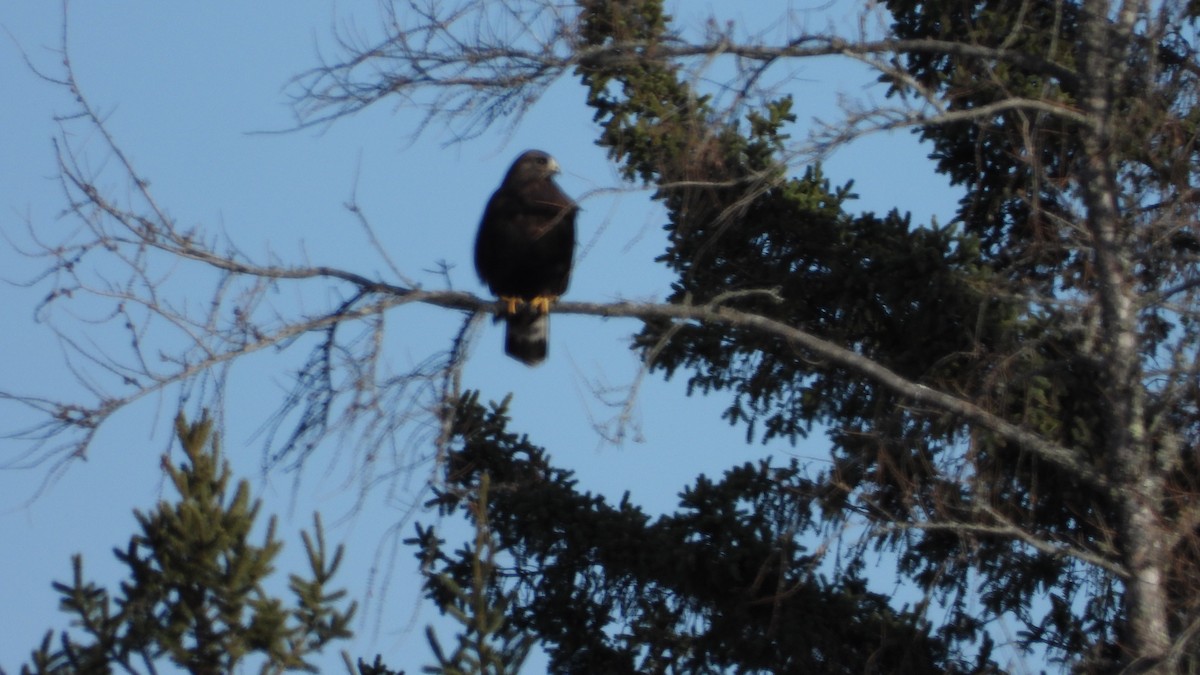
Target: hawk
(523,251)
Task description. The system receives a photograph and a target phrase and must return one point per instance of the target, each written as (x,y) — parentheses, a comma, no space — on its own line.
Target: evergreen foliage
(727,583)
(194,596)
(488,644)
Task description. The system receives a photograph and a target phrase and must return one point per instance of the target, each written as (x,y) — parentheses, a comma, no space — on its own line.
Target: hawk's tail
(526,336)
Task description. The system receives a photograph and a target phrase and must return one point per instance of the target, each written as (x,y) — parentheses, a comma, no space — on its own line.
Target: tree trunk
(1138,486)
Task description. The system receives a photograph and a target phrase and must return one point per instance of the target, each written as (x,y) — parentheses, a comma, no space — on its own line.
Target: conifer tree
(723,584)
(194,594)
(487,642)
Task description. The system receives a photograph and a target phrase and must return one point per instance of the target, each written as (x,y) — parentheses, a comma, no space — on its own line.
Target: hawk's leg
(510,303)
(541,304)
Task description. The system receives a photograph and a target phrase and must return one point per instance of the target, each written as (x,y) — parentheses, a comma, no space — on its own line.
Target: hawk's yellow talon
(541,304)
(510,303)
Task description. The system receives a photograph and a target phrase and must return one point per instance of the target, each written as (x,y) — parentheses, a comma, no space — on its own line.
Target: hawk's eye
(541,160)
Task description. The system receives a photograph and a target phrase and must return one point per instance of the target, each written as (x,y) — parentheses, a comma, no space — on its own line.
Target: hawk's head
(532,165)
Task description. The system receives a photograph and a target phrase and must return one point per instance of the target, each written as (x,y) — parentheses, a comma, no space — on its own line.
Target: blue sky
(183,88)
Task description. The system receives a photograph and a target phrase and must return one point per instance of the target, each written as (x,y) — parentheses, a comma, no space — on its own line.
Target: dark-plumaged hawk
(524,249)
